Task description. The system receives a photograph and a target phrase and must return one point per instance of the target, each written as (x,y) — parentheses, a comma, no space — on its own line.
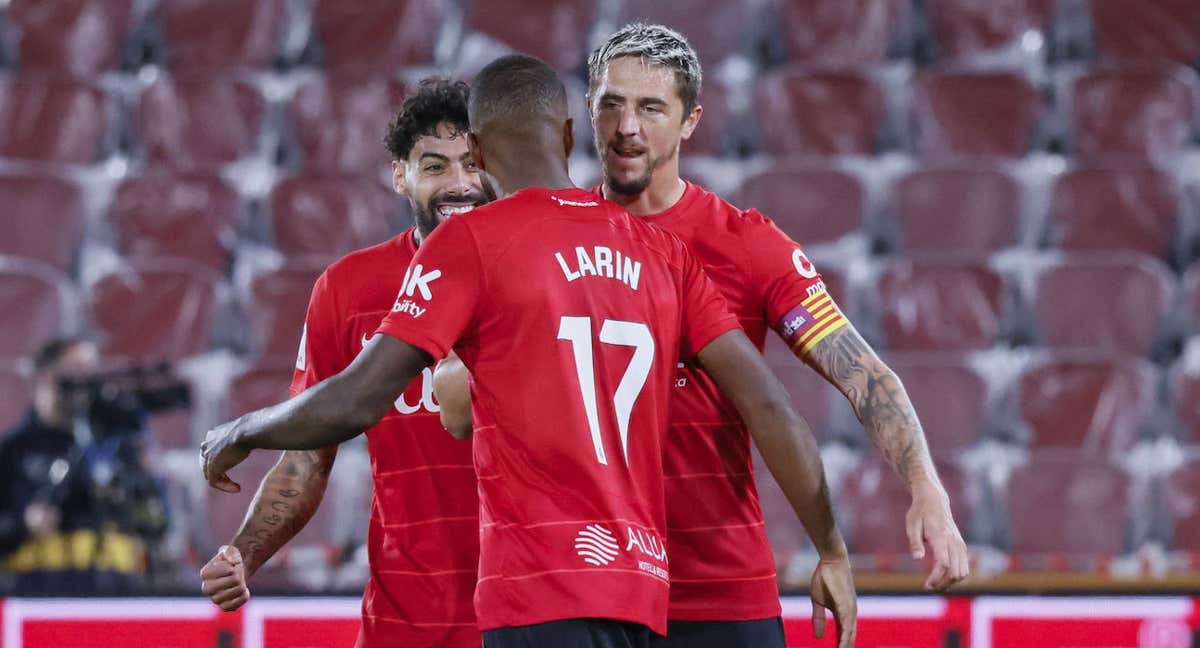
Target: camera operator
(78,508)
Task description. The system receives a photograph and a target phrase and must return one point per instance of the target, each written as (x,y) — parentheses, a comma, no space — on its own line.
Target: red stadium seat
(1190,298)
(1106,302)
(965,29)
(16,396)
(974,210)
(839,34)
(1184,393)
(830,113)
(717,131)
(1084,403)
(811,394)
(82,37)
(1067,507)
(1146,112)
(1099,208)
(339,122)
(715,28)
(32,300)
(940,305)
(33,109)
(873,501)
(1158,30)
(193,217)
(975,113)
(1181,494)
(812,204)
(209,34)
(44,218)
(275,305)
(155,310)
(380,34)
(199,121)
(555,31)
(329,216)
(949,395)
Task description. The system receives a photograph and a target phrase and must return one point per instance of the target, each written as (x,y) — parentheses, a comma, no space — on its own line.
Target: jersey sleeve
(706,314)
(797,304)
(319,356)
(440,291)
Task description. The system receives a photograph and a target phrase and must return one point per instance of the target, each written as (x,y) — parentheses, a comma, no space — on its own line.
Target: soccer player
(423,541)
(571,316)
(644,82)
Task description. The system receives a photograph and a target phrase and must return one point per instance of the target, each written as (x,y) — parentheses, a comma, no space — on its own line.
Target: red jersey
(422,542)
(571,315)
(722,568)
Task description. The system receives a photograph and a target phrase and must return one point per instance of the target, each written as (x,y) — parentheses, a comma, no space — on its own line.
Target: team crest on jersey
(597,545)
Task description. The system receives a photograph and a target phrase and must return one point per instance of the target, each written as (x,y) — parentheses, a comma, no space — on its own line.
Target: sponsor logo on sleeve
(803,265)
(416,280)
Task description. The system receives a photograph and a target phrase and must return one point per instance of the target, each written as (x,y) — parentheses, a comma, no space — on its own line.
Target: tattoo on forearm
(878,400)
(289,496)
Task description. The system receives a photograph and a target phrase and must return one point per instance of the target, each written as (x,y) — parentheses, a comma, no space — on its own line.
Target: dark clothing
(759,633)
(576,633)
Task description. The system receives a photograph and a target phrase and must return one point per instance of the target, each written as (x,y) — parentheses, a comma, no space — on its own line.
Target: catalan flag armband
(811,321)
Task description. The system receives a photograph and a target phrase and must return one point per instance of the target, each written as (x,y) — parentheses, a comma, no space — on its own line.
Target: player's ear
(568,136)
(476,151)
(691,121)
(399,181)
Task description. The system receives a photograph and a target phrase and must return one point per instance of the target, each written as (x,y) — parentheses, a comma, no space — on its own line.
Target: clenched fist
(223,579)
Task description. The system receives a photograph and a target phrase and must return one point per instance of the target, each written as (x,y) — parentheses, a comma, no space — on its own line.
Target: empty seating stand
(974,113)
(377,34)
(945,305)
(329,216)
(34,299)
(812,204)
(176,127)
(818,113)
(1143,110)
(338,122)
(221,34)
(35,106)
(1115,207)
(44,216)
(965,209)
(81,37)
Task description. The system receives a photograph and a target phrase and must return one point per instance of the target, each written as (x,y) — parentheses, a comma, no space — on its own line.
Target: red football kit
(571,316)
(722,568)
(423,540)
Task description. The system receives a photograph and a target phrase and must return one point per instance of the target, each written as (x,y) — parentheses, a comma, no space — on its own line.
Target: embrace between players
(607,364)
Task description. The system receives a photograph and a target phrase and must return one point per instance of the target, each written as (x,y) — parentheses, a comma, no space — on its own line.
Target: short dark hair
(436,100)
(515,90)
(52,351)
(657,45)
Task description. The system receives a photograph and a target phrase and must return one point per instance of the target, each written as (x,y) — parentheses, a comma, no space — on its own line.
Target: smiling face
(439,177)
(639,121)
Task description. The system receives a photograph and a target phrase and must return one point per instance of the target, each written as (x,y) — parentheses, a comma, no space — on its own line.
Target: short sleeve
(440,291)
(706,314)
(797,304)
(319,356)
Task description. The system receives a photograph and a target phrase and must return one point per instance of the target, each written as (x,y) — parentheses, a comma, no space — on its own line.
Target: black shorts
(571,633)
(759,633)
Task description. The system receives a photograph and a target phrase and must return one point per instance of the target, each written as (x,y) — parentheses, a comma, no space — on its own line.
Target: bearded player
(423,541)
(571,315)
(644,84)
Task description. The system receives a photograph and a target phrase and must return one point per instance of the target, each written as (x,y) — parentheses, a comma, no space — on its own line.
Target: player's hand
(223,579)
(929,521)
(220,452)
(833,589)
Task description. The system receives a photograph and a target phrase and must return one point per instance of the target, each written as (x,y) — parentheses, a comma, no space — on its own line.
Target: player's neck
(664,191)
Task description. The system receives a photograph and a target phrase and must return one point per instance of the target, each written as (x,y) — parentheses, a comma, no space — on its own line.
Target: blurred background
(1002,195)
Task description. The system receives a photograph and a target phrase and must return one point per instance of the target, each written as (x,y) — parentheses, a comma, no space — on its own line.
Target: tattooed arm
(287,499)
(883,407)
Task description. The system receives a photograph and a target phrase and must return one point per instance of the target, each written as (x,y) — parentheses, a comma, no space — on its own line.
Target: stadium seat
(32,299)
(963,30)
(16,396)
(950,397)
(1084,403)
(33,110)
(213,34)
(823,113)
(1106,208)
(974,113)
(967,209)
(940,305)
(555,31)
(1181,494)
(718,132)
(1107,302)
(44,218)
(329,216)
(381,34)
(160,310)
(1184,393)
(840,34)
(195,217)
(1142,111)
(176,120)
(1158,30)
(715,28)
(812,395)
(1060,506)
(275,304)
(872,503)
(81,37)
(812,204)
(339,121)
